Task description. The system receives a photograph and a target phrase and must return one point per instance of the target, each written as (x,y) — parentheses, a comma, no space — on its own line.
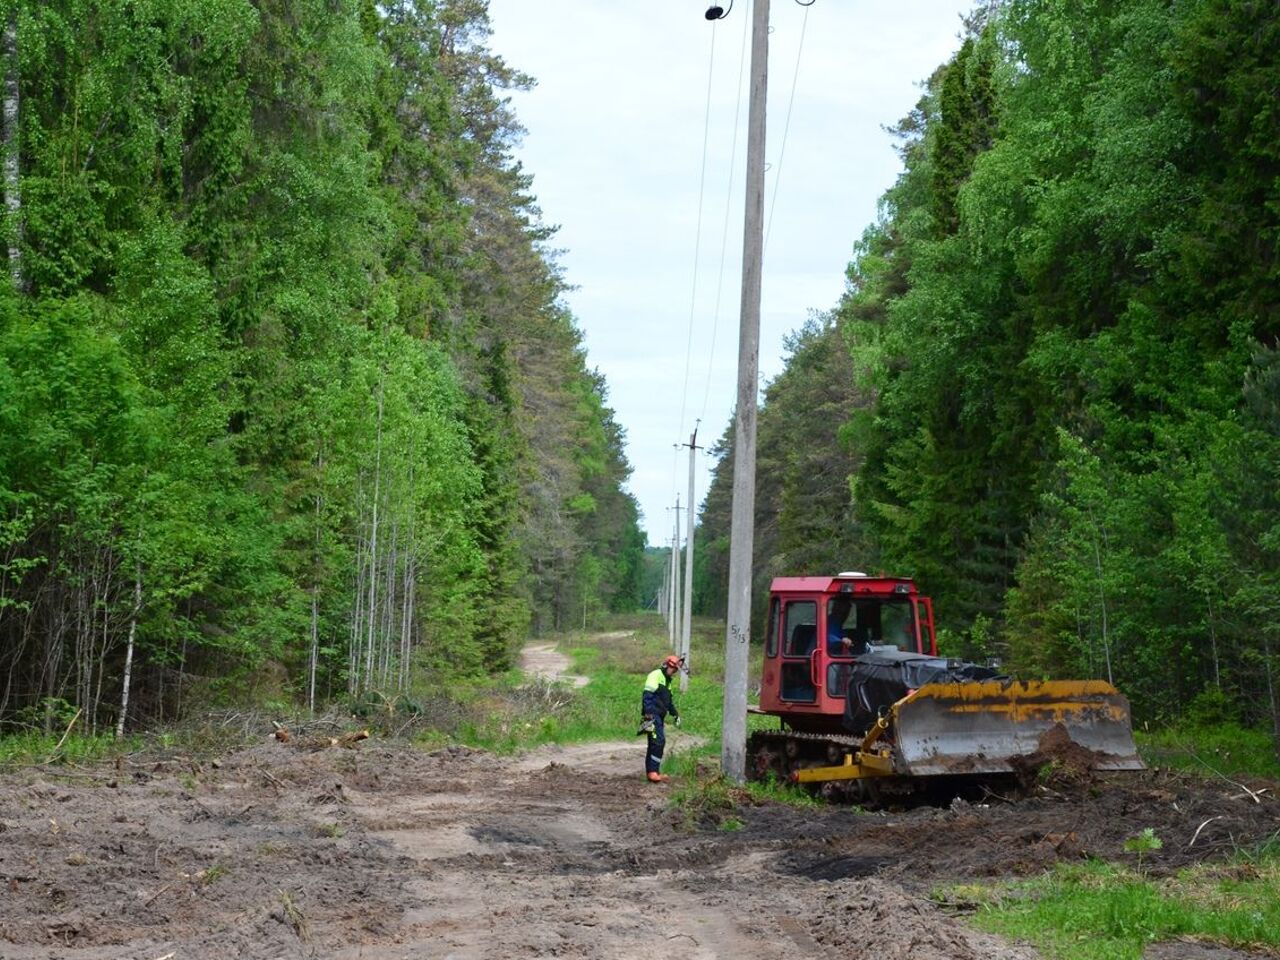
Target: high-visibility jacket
(656,701)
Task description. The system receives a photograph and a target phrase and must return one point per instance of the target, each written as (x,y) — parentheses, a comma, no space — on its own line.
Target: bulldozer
(868,710)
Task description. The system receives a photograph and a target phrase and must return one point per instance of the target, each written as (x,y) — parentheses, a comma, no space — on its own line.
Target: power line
(728,208)
(697,241)
(724,236)
(675,468)
(697,247)
(786,126)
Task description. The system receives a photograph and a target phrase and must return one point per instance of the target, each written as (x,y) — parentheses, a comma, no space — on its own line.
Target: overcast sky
(615,145)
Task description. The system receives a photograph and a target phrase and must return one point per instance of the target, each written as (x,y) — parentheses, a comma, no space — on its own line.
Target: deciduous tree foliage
(1066,319)
(288,392)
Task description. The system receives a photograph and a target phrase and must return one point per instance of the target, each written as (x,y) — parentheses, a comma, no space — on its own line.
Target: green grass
(213,874)
(705,798)
(1099,911)
(20,749)
(1226,749)
(773,790)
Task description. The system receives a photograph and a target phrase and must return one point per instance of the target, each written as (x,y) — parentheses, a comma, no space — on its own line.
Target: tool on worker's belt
(646,726)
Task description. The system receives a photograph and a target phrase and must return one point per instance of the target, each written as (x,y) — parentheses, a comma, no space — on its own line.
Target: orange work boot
(658,778)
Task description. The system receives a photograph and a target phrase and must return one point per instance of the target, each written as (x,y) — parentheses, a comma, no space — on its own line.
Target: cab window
(800,635)
(771,635)
(883,622)
(898,625)
(799,640)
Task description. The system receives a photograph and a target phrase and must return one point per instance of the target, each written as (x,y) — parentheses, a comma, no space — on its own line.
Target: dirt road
(545,662)
(302,850)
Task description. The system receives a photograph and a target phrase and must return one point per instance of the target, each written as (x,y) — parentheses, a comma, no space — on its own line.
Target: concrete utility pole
(686,633)
(733,751)
(673,581)
(675,589)
(662,593)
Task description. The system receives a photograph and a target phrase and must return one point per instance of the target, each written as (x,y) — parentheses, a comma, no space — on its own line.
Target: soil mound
(1057,759)
(885,923)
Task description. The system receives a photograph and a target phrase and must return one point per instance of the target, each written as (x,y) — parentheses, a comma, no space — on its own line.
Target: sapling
(1146,840)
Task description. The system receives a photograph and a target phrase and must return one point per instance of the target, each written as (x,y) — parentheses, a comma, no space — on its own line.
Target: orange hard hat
(673,662)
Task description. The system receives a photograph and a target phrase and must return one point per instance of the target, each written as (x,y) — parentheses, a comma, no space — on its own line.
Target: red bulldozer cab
(817,625)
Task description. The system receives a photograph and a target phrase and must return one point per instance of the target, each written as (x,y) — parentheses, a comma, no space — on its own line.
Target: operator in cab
(838,645)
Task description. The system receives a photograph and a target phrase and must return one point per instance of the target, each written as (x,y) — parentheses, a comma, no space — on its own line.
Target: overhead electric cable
(697,240)
(675,466)
(786,126)
(728,206)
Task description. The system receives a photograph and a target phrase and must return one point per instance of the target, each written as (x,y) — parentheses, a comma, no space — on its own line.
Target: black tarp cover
(882,677)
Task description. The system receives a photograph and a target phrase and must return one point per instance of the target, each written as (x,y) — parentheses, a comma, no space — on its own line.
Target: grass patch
(706,799)
(213,874)
(22,749)
(709,802)
(1227,749)
(773,790)
(1098,911)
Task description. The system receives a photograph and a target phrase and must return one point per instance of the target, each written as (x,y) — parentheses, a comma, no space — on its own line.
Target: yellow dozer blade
(988,727)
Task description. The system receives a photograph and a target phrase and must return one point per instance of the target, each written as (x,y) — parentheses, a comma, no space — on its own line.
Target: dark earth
(379,850)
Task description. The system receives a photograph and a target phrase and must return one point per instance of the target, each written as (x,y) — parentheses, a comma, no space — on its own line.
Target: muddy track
(300,850)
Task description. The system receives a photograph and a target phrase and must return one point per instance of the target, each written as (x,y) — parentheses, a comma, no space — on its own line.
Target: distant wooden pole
(733,751)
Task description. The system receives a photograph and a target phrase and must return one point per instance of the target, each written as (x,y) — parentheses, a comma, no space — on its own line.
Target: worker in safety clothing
(655,704)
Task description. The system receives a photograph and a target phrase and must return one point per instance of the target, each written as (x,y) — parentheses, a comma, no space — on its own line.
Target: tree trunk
(101,657)
(55,645)
(315,593)
(1213,641)
(373,543)
(1273,696)
(315,649)
(406,624)
(1102,597)
(353,653)
(12,188)
(128,651)
(389,605)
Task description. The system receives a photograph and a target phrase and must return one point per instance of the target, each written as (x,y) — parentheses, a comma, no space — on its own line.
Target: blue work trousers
(657,743)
